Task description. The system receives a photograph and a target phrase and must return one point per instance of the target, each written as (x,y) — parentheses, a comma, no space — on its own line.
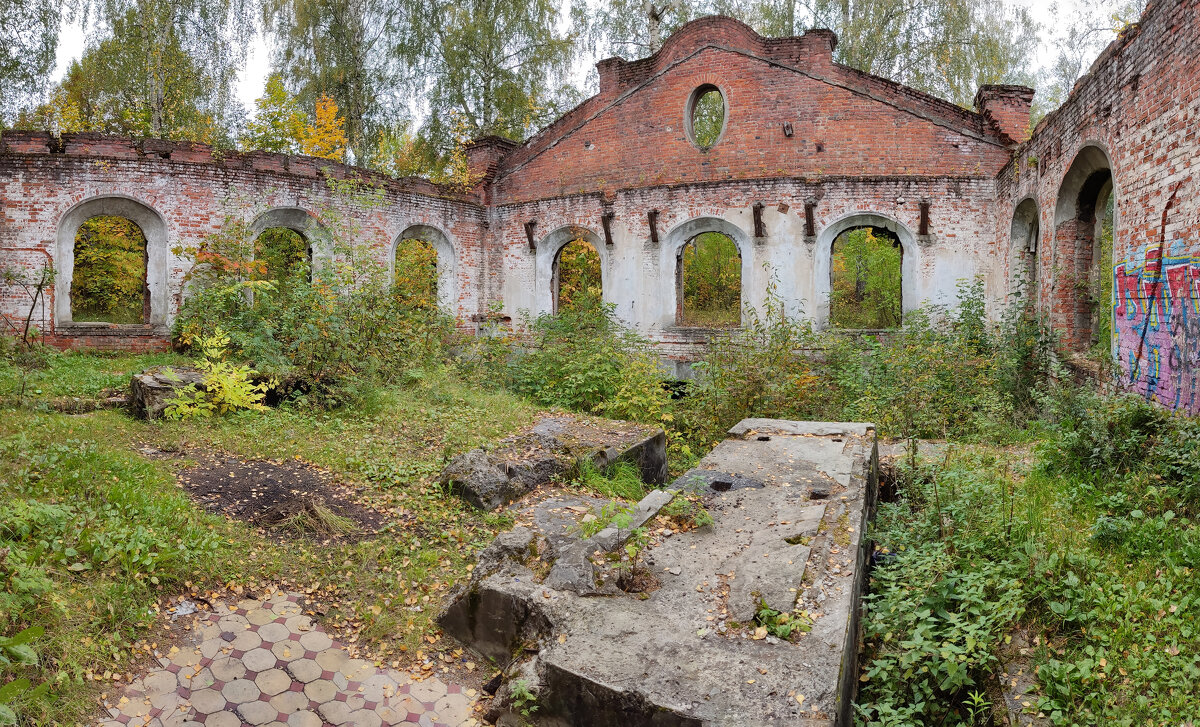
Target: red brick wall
(193,189)
(1140,104)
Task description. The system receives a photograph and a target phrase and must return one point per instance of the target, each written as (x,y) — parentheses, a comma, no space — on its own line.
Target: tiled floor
(265,663)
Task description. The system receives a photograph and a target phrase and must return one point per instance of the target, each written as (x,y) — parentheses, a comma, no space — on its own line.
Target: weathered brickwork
(809,149)
(1135,118)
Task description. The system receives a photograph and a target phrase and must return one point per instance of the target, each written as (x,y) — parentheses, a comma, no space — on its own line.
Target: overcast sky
(253,77)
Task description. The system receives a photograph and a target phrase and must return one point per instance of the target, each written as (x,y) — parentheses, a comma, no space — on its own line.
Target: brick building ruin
(808,149)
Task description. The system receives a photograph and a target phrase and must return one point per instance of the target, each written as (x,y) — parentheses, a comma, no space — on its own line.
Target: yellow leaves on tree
(279,125)
(326,136)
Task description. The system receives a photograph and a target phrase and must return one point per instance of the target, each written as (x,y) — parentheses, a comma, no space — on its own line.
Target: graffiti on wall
(1156,331)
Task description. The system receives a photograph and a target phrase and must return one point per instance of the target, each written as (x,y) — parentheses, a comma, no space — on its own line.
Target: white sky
(253,77)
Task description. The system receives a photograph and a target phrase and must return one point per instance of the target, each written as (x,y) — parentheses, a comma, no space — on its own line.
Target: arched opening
(282,255)
(706,116)
(578,276)
(423,264)
(708,282)
(109,281)
(112,258)
(415,272)
(1084,220)
(865,280)
(1026,230)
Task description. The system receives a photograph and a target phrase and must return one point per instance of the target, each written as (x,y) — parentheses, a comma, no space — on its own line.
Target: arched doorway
(896,255)
(578,281)
(1024,236)
(282,255)
(109,281)
(415,272)
(708,282)
(112,259)
(1084,231)
(866,284)
(422,265)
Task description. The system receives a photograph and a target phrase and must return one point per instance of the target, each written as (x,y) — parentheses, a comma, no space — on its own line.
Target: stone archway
(158,254)
(548,249)
(447,260)
(671,259)
(1083,291)
(822,263)
(1025,239)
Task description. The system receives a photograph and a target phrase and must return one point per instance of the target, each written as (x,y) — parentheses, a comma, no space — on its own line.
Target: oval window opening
(706,119)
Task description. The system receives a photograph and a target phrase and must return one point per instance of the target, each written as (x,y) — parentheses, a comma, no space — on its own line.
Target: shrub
(334,335)
(763,370)
(227,387)
(584,359)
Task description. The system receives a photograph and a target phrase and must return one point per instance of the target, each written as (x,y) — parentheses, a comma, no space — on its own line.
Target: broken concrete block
(553,447)
(151,390)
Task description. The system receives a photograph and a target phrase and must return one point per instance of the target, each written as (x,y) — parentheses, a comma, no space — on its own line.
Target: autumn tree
(28,42)
(346,50)
(124,85)
(278,123)
(325,137)
(280,126)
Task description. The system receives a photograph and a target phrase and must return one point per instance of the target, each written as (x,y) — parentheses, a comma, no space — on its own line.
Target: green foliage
(584,359)
(781,625)
(416,273)
(708,119)
(109,280)
(865,291)
(17,651)
(712,281)
(687,512)
(762,369)
(579,278)
(226,387)
(622,480)
(523,700)
(944,374)
(332,336)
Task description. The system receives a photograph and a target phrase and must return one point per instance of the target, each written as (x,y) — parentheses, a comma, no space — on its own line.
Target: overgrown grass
(95,536)
(1089,543)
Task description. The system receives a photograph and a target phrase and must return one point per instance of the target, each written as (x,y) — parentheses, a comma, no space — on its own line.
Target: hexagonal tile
(429,690)
(299,623)
(334,712)
(273,632)
(287,650)
(257,712)
(189,656)
(357,669)
(240,691)
(289,702)
(273,681)
(316,641)
(248,604)
(453,708)
(160,682)
(304,719)
(378,687)
(365,718)
(207,701)
(225,668)
(195,680)
(223,719)
(304,670)
(246,640)
(234,622)
(286,609)
(259,659)
(332,659)
(261,616)
(320,690)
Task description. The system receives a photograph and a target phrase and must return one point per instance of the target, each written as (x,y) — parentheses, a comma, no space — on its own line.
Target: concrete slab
(688,653)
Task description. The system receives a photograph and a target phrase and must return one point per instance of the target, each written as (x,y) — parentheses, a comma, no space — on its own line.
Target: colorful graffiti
(1156,331)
